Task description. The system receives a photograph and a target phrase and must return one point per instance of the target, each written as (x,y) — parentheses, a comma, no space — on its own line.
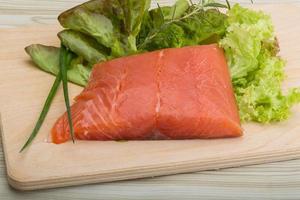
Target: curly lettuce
(257,72)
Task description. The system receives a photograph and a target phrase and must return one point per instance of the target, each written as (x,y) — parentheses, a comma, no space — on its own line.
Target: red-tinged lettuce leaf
(133,14)
(113,23)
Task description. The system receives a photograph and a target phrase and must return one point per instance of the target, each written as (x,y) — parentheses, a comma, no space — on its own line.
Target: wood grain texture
(271,181)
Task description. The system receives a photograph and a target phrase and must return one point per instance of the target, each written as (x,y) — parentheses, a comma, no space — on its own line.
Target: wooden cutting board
(44,165)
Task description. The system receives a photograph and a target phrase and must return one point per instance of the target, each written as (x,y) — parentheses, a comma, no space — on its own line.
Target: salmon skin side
(177,93)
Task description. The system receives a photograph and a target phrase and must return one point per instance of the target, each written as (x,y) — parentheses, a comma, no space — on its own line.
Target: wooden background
(269,181)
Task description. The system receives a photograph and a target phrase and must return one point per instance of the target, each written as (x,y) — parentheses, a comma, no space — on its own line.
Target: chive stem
(64,61)
(44,112)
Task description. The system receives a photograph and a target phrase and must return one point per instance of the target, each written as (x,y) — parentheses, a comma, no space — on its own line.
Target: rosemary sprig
(44,112)
(216,5)
(65,58)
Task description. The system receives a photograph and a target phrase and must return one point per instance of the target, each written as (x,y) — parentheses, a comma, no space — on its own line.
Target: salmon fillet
(179,93)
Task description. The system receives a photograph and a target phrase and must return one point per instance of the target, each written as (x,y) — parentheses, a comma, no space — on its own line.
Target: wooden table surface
(269,181)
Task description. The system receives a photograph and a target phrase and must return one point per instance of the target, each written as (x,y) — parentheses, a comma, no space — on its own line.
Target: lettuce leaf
(206,27)
(83,45)
(95,31)
(47,59)
(257,72)
(133,14)
(112,23)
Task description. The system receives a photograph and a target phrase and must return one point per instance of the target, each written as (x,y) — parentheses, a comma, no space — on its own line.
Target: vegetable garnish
(44,112)
(100,30)
(65,59)
(257,72)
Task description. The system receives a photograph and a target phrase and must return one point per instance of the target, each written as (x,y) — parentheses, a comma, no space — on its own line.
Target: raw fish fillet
(178,93)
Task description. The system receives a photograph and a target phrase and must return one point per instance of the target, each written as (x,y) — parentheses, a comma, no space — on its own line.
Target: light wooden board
(24,88)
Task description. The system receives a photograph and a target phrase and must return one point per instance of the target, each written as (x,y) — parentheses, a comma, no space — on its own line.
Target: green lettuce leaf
(83,45)
(94,24)
(79,73)
(47,59)
(207,27)
(257,72)
(100,19)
